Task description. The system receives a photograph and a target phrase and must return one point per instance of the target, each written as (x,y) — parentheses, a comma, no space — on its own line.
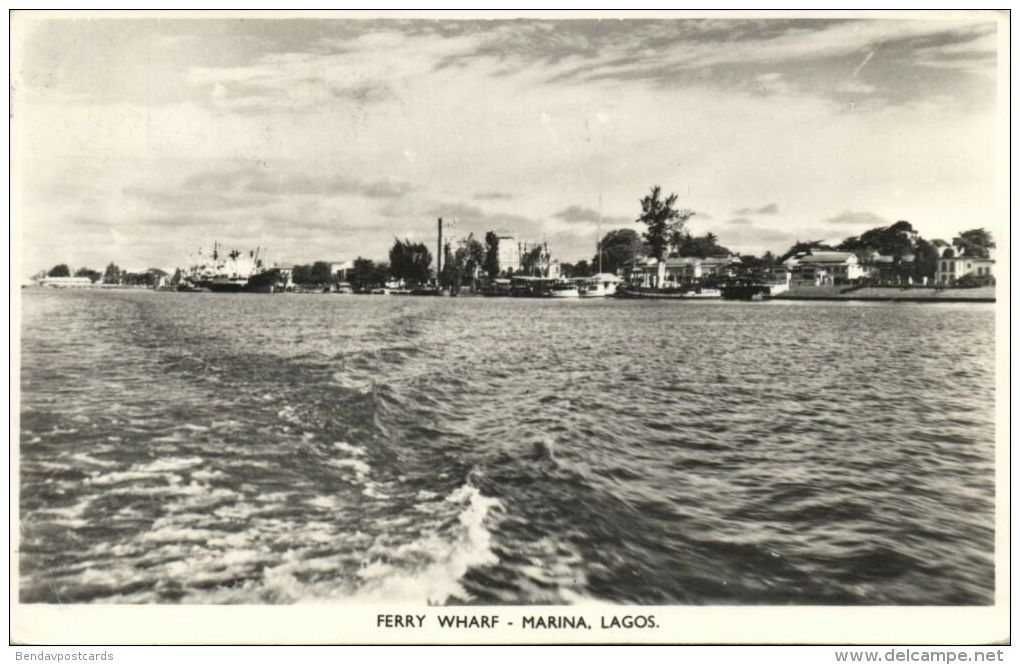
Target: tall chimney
(439,254)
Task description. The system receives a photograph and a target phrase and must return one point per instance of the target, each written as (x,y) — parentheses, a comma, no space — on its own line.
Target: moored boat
(229,272)
(564,290)
(752,289)
(598,286)
(686,293)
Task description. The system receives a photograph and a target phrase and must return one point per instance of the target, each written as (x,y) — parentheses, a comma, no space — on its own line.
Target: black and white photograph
(495,318)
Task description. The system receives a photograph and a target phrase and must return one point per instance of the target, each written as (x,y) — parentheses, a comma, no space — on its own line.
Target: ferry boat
(564,290)
(684,293)
(598,286)
(752,289)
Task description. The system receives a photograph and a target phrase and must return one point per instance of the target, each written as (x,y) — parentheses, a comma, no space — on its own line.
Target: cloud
(856,88)
(460,211)
(751,238)
(769,209)
(355,126)
(254,187)
(740,221)
(850,218)
(576,213)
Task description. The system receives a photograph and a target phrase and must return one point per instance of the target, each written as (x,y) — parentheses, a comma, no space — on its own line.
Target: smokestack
(439,253)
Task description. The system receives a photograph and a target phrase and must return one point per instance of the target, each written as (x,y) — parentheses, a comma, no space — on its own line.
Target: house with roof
(955,264)
(678,271)
(65,282)
(286,271)
(830,268)
(890,269)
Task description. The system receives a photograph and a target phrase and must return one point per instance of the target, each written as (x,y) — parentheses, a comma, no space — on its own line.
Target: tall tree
(531,261)
(321,274)
(800,247)
(491,254)
(112,274)
(470,257)
(410,261)
(619,248)
(975,242)
(361,274)
(59,270)
(93,275)
(663,222)
(700,246)
(582,269)
(895,240)
(302,274)
(380,274)
(926,259)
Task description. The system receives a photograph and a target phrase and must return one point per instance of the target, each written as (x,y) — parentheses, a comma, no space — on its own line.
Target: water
(208,448)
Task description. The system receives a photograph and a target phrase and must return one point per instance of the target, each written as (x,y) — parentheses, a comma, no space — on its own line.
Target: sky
(138,141)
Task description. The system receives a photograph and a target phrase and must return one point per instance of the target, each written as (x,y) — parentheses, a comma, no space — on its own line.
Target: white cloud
(384,108)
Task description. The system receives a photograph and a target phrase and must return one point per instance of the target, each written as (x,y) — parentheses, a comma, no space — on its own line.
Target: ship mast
(598,238)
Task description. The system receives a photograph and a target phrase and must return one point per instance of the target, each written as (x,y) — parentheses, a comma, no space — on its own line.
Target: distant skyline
(140,140)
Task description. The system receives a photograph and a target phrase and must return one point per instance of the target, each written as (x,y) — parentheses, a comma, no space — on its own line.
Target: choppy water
(208,448)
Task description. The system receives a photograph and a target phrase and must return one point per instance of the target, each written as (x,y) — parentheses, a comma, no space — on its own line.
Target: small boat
(564,290)
(429,291)
(188,287)
(752,289)
(688,293)
(598,286)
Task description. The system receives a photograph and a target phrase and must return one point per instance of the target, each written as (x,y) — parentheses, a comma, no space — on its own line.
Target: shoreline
(890,294)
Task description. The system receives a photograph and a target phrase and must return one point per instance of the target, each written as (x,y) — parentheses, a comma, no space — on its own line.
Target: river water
(214,448)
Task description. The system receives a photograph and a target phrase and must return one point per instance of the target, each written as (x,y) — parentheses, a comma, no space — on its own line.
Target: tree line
(112,275)
(666,234)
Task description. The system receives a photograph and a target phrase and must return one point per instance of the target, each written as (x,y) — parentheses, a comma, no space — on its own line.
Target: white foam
(172,464)
(360,386)
(348,448)
(438,580)
(359,467)
(193,428)
(85,458)
(371,490)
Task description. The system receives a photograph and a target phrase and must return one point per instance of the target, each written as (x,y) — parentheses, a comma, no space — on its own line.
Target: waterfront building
(539,259)
(286,271)
(677,271)
(886,268)
(820,268)
(509,253)
(955,264)
(65,282)
(339,269)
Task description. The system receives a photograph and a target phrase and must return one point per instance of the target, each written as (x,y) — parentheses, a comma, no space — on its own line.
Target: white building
(827,268)
(955,264)
(65,282)
(509,252)
(678,271)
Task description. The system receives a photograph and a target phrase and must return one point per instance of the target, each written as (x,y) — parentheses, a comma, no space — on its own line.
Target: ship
(750,288)
(229,272)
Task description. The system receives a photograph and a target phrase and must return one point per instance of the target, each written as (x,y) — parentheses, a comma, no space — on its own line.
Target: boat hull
(666,294)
